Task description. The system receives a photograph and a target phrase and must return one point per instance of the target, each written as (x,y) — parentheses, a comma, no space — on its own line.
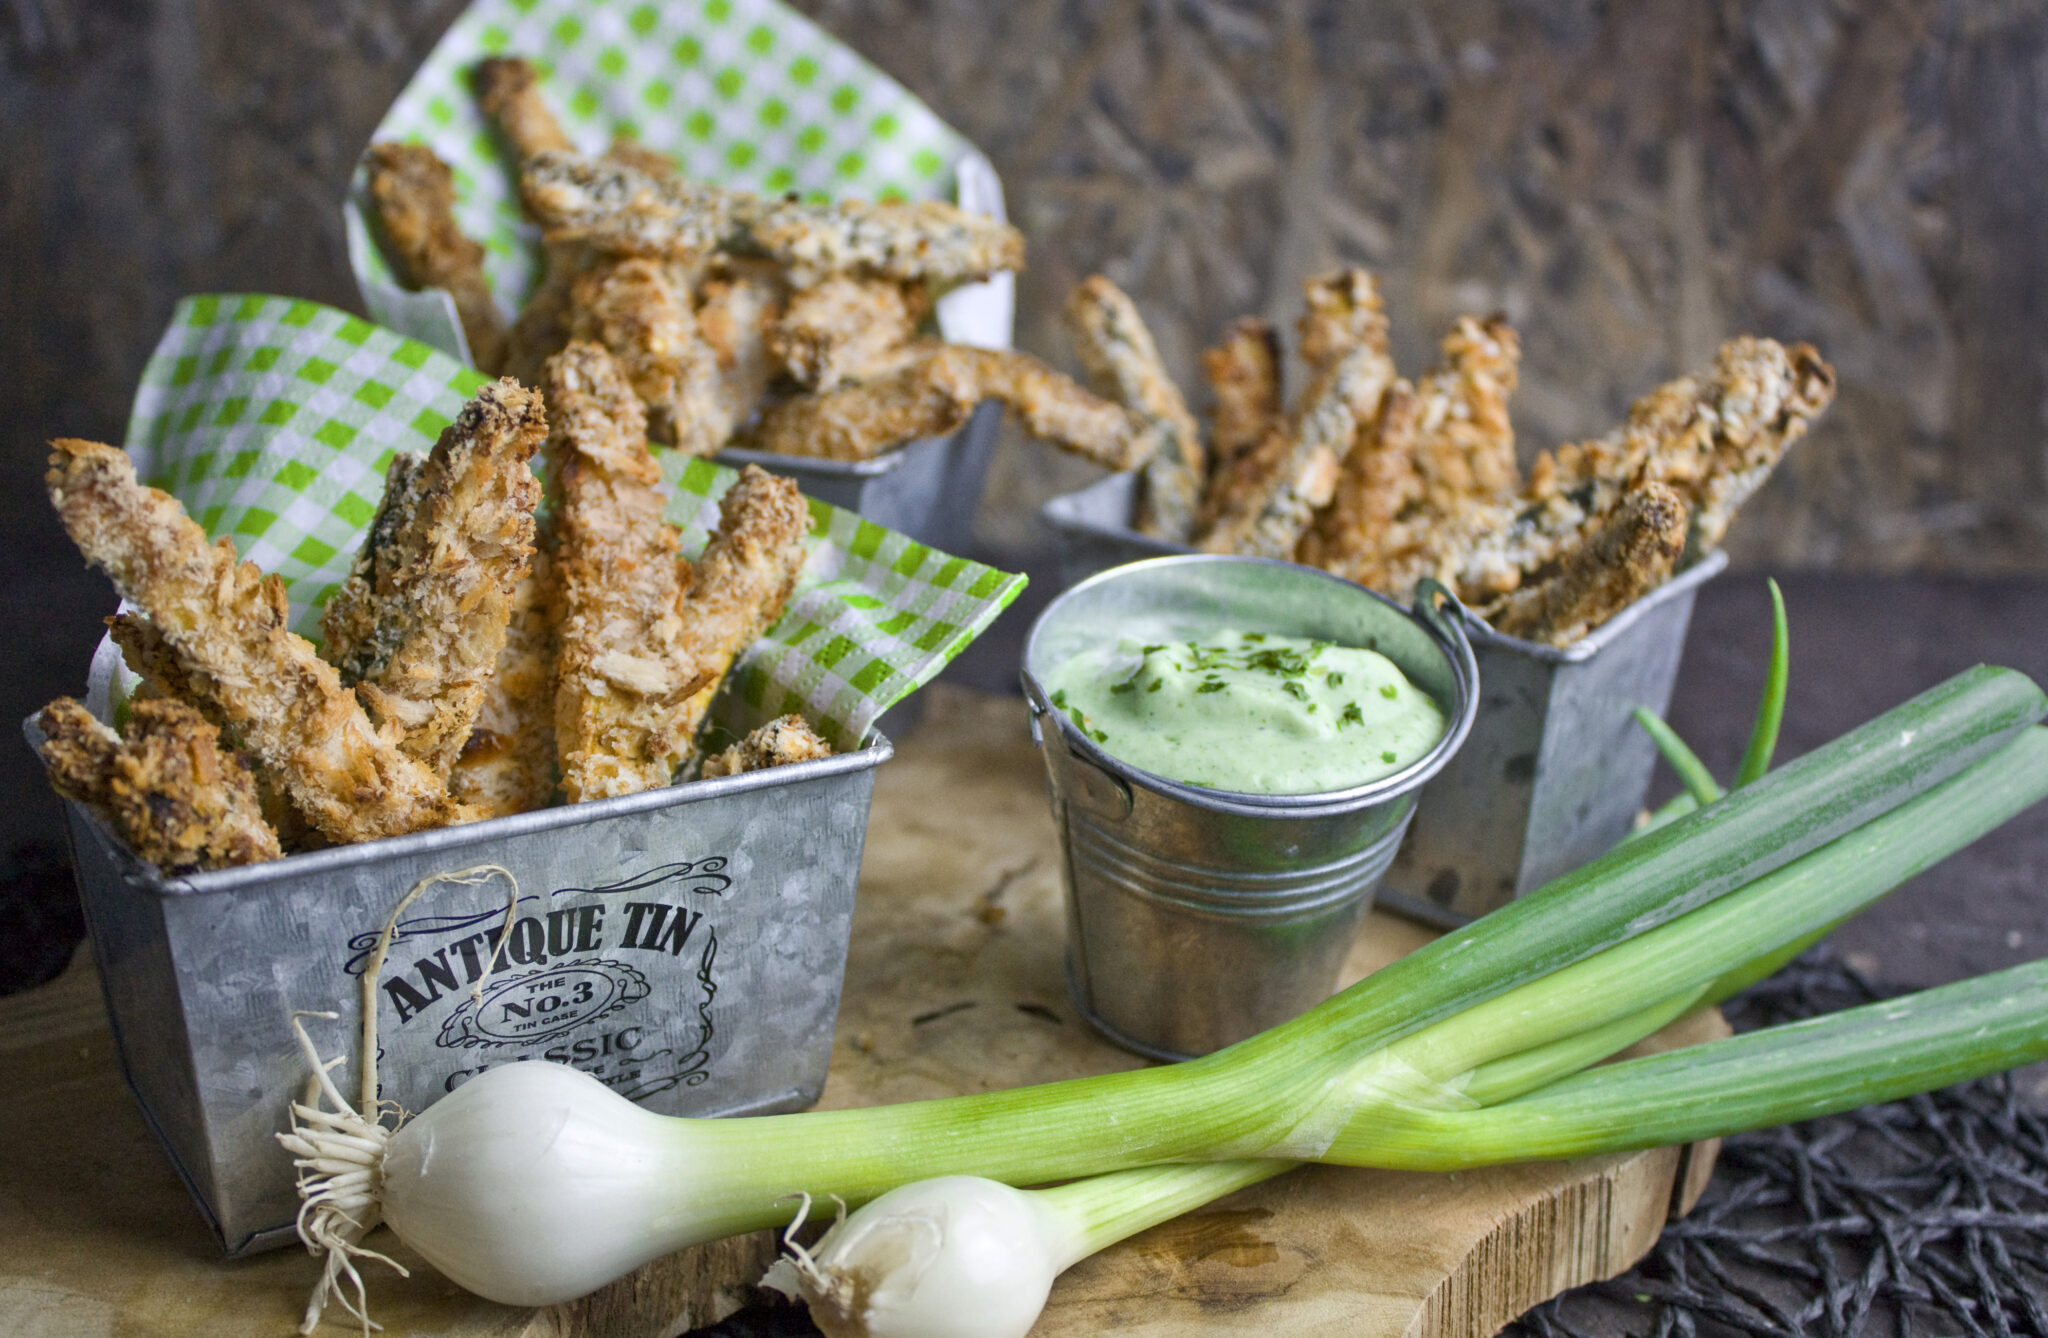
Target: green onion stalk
(534,1183)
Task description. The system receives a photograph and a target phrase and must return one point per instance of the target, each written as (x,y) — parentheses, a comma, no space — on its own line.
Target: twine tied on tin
(339,1148)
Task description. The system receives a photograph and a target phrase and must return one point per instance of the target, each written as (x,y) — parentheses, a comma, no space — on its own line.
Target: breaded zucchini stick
(738,303)
(414,193)
(777,743)
(1114,346)
(618,208)
(1391,527)
(935,394)
(1630,554)
(623,680)
(743,579)
(1279,486)
(225,623)
(927,240)
(1340,311)
(418,626)
(1377,483)
(168,789)
(508,91)
(1713,436)
(1243,372)
(845,328)
(507,765)
(634,307)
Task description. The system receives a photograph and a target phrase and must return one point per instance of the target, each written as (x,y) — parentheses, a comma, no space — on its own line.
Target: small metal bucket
(1556,768)
(683,945)
(1198,917)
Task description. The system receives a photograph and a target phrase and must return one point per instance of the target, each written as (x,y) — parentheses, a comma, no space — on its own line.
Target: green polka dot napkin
(272,421)
(745,93)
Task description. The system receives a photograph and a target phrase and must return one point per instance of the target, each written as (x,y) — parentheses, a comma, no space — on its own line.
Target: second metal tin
(1556,768)
(1197,917)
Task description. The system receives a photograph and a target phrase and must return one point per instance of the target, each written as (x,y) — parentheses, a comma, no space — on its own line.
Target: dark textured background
(1631,182)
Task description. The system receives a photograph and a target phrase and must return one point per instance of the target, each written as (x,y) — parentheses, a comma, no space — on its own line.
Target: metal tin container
(1197,917)
(1556,768)
(928,489)
(684,945)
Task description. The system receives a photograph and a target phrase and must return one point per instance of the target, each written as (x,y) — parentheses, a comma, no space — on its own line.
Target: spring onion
(535,1183)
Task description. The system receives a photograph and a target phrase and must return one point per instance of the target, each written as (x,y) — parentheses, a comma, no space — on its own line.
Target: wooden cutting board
(953,985)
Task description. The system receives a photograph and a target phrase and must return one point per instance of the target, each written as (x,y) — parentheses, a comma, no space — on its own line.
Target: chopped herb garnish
(1059,699)
(1154,685)
(1211,685)
(1389,691)
(1334,679)
(1128,685)
(1295,690)
(1386,756)
(1289,663)
(1153,650)
(1254,636)
(1352,715)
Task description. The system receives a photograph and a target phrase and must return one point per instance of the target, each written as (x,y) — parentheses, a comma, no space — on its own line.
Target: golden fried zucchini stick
(508,91)
(1243,372)
(743,579)
(845,328)
(168,788)
(1377,483)
(1392,524)
(936,392)
(737,306)
(1340,311)
(623,681)
(1713,436)
(1293,474)
(1630,554)
(777,743)
(643,317)
(507,765)
(225,623)
(418,626)
(414,193)
(616,207)
(1113,344)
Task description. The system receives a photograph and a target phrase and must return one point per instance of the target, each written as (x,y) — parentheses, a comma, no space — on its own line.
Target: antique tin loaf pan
(684,945)
(1555,769)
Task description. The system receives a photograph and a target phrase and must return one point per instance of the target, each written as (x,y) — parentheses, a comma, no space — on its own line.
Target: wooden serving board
(954,984)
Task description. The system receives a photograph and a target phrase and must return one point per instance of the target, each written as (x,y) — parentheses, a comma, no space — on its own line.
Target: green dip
(1252,713)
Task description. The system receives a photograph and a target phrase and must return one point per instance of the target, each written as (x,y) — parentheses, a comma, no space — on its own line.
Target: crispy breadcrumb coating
(1274,491)
(508,91)
(1378,481)
(1340,311)
(845,329)
(225,623)
(935,394)
(1713,436)
(168,789)
(738,302)
(644,318)
(418,626)
(616,207)
(1123,363)
(507,765)
(622,680)
(1628,555)
(1243,372)
(743,579)
(414,193)
(542,326)
(777,743)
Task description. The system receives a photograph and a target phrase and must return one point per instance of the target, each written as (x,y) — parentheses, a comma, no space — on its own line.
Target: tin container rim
(1437,612)
(887,462)
(1058,513)
(872,753)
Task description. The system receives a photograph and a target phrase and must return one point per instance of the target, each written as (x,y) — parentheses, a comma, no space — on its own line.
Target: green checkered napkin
(272,420)
(744,93)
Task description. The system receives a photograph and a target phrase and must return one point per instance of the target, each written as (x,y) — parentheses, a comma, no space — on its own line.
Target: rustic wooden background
(1631,182)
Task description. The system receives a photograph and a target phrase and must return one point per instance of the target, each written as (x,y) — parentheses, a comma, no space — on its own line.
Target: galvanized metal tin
(684,945)
(1556,768)
(1197,917)
(928,489)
